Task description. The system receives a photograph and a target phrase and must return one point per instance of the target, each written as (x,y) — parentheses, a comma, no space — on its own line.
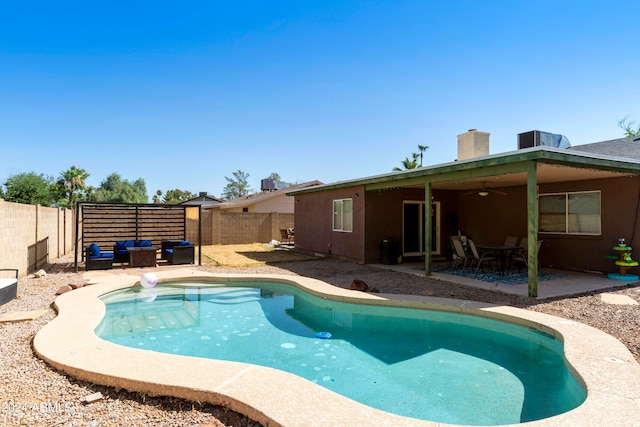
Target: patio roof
(499,170)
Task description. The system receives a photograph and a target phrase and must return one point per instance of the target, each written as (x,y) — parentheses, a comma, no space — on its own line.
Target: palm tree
(72,180)
(409,163)
(629,130)
(422,149)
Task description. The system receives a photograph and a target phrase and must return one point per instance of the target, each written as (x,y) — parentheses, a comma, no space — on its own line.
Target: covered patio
(556,284)
(462,200)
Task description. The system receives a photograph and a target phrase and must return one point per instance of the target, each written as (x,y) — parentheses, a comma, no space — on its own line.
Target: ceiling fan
(484,191)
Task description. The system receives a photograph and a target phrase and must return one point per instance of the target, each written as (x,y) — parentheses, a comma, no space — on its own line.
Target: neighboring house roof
(204,200)
(621,147)
(255,198)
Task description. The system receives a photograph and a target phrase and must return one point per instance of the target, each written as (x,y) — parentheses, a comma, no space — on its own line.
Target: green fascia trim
(499,164)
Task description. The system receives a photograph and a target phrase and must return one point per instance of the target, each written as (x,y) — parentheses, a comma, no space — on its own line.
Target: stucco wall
(314,224)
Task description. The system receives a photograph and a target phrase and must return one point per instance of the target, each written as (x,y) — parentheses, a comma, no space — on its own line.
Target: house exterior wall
(314,224)
(619,211)
(383,217)
(487,220)
(280,204)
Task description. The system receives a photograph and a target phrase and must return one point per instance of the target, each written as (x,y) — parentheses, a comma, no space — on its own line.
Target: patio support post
(532,229)
(427,228)
(76,237)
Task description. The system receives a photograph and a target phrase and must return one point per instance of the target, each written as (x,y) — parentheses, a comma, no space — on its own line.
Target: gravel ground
(33,394)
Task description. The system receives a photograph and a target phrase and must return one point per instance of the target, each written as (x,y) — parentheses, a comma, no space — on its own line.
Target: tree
(629,130)
(412,163)
(237,187)
(409,163)
(30,188)
(116,189)
(176,196)
(71,181)
(422,149)
(275,176)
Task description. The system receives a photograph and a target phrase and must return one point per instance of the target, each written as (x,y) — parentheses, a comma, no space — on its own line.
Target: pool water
(430,365)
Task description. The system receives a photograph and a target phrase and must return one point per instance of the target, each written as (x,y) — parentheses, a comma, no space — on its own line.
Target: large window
(570,213)
(343,215)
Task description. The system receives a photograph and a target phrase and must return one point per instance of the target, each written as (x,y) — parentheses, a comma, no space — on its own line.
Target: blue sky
(182,94)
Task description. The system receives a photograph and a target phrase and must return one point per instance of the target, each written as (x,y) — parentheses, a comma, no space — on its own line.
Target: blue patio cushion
(122,245)
(103,255)
(169,251)
(94,250)
(143,243)
(186,243)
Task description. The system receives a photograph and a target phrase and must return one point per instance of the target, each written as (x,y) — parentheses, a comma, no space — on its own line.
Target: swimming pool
(273,397)
(425,364)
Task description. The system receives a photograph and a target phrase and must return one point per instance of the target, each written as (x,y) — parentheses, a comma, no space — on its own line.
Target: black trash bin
(389,251)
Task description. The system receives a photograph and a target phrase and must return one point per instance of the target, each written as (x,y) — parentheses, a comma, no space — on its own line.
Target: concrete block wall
(229,228)
(32,235)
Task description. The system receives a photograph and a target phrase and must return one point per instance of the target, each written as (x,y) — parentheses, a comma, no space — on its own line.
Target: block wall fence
(234,228)
(32,235)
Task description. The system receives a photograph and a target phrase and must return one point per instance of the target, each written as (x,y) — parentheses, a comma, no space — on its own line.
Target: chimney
(472,144)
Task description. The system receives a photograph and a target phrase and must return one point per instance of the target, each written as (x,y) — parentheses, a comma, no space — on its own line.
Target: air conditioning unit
(268,184)
(536,138)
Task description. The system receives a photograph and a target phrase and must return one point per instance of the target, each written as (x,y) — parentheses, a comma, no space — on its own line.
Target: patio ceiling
(499,171)
(546,173)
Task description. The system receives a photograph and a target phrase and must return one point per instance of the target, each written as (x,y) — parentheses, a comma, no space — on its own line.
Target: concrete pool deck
(603,364)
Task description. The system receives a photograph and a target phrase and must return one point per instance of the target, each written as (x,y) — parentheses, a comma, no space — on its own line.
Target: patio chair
(96,259)
(521,256)
(459,254)
(286,234)
(183,253)
(8,285)
(510,241)
(480,258)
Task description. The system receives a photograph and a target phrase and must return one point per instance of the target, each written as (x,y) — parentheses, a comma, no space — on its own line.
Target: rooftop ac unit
(267,184)
(536,138)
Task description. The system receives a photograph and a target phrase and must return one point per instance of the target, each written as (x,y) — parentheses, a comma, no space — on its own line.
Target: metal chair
(459,254)
(521,257)
(479,259)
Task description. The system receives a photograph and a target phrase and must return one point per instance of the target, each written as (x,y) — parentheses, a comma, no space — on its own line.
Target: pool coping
(604,365)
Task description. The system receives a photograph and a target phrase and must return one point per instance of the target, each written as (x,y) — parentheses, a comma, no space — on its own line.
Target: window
(343,215)
(570,213)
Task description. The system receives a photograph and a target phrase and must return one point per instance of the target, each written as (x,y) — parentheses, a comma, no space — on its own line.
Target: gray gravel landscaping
(33,394)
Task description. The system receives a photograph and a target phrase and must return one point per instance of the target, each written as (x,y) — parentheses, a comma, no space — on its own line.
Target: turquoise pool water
(430,365)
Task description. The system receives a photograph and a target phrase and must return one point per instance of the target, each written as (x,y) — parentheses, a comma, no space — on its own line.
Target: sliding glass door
(413,225)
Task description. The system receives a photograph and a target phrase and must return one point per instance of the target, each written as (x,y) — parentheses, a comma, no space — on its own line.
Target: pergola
(103,223)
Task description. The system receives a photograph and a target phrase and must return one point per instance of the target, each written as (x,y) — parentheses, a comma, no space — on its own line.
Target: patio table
(142,256)
(501,252)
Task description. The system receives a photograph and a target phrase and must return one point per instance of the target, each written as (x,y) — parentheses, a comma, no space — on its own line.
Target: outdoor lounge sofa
(8,285)
(120,251)
(96,259)
(180,253)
